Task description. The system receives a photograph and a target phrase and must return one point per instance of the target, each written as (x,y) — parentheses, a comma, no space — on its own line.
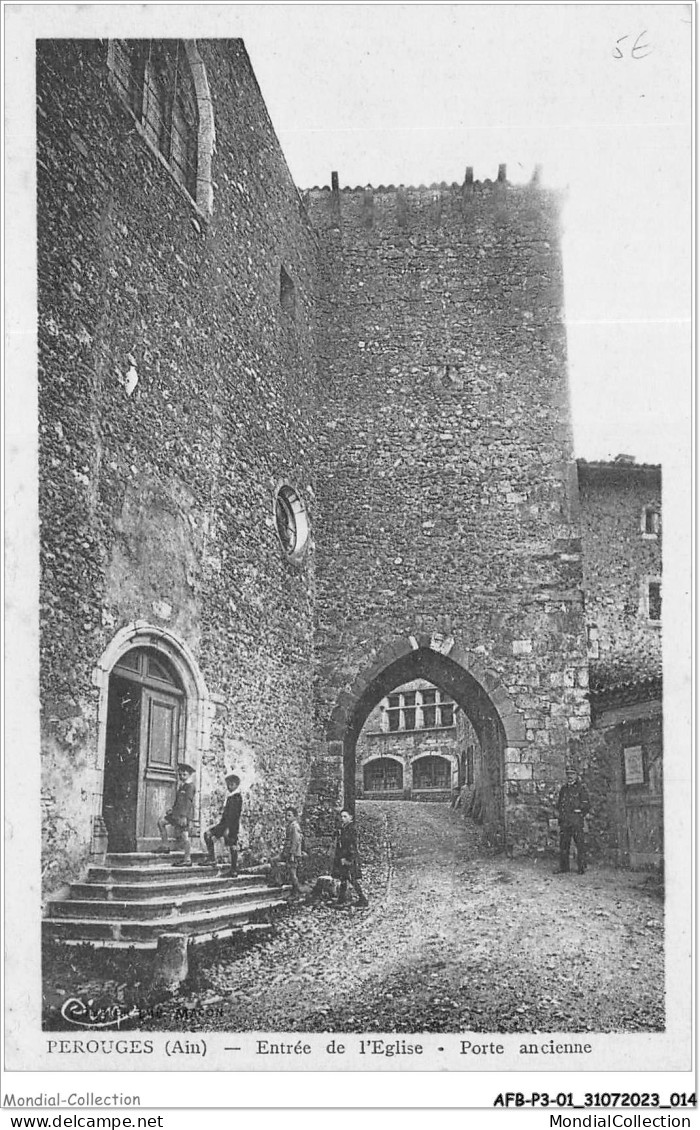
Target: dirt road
(452,941)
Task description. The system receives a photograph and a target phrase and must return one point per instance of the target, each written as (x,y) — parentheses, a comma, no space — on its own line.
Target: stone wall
(448,500)
(618,558)
(398,357)
(157,501)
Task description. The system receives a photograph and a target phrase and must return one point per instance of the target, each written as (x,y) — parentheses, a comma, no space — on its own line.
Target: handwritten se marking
(639,50)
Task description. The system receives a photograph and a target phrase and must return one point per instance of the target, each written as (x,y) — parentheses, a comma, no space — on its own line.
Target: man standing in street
(573,805)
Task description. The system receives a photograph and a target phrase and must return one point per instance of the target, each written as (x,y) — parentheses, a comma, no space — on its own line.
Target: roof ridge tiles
(433,186)
(617,465)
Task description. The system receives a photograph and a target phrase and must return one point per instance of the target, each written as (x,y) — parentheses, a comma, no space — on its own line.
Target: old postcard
(348,637)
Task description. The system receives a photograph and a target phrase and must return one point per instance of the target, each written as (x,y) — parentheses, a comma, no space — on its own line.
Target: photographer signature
(84,1014)
(87,1014)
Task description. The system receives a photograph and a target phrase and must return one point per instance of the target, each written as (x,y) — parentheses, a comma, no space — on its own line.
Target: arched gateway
(478,691)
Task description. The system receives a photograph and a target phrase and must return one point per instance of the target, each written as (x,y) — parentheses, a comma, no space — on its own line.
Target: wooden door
(645,831)
(145,741)
(160,742)
(122,754)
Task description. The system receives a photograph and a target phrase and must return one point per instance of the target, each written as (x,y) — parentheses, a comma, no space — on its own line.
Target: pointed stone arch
(475,687)
(387,657)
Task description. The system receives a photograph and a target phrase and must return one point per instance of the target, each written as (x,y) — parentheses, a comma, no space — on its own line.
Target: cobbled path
(453,941)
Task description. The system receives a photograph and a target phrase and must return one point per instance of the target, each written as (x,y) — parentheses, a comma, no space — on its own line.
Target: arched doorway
(154,710)
(479,694)
(146,714)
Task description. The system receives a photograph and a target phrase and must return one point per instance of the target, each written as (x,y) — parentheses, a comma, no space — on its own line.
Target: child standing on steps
(179,816)
(228,826)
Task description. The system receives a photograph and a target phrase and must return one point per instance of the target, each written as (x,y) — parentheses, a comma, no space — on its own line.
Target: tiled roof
(633,690)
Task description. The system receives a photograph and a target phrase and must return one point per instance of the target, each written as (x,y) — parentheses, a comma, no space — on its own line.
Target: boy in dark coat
(228,826)
(346,862)
(179,816)
(573,806)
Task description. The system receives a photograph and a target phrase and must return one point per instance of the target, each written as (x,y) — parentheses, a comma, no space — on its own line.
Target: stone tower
(448,540)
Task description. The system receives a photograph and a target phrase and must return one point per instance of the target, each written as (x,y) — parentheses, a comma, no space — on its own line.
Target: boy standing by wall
(293,849)
(228,826)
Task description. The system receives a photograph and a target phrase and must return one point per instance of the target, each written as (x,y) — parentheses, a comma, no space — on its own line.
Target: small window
(654,601)
(393,713)
(651,522)
(409,712)
(122,55)
(470,765)
(158,670)
(287,295)
(154,106)
(429,709)
(286,524)
(130,660)
(291,522)
(447,714)
(593,641)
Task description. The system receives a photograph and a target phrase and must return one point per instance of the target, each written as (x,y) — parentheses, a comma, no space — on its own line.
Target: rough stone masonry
(388,364)
(448,504)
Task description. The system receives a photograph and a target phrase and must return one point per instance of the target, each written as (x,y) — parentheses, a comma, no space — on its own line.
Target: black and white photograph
(348,630)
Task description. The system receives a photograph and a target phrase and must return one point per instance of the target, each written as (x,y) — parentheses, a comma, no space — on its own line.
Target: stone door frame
(198,712)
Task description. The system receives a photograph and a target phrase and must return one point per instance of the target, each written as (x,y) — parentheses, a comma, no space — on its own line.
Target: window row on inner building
(385,774)
(417,710)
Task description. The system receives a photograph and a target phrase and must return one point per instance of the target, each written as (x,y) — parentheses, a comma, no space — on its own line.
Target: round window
(291,522)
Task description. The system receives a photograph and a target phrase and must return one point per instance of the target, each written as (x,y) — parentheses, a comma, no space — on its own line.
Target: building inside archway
(417,744)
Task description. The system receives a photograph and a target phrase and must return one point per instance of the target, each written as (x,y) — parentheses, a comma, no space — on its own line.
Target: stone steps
(163,871)
(148,859)
(135,899)
(160,906)
(155,859)
(196,926)
(124,889)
